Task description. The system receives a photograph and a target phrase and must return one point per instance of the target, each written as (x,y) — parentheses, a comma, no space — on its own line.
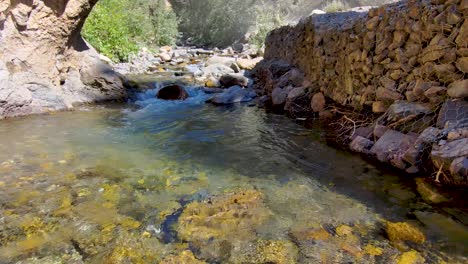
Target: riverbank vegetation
(119,28)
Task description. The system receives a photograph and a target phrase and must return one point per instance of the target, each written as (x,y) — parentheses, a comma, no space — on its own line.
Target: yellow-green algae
(410,257)
(230,216)
(185,257)
(403,231)
(104,213)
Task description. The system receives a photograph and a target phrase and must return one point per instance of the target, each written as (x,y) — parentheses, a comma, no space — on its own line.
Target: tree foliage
(117,28)
(216,22)
(266,21)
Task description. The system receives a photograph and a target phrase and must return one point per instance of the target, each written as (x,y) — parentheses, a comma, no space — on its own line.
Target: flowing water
(171,182)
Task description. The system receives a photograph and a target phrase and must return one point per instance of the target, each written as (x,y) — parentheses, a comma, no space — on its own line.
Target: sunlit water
(108,184)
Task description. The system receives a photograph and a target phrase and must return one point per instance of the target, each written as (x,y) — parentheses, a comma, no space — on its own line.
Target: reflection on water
(185,182)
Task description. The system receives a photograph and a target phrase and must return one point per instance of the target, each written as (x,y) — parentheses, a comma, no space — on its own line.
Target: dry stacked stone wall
(403,65)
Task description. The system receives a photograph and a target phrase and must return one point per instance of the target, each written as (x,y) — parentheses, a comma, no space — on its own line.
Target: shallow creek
(153,181)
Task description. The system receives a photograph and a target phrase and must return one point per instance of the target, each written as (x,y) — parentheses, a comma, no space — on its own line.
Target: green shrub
(158,22)
(107,30)
(267,20)
(336,6)
(118,28)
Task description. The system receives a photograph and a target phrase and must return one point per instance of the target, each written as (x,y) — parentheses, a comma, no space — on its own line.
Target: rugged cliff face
(403,67)
(45,65)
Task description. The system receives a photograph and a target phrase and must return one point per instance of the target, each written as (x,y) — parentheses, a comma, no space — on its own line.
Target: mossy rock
(185,257)
(214,225)
(231,216)
(410,257)
(265,251)
(134,248)
(429,193)
(276,251)
(404,232)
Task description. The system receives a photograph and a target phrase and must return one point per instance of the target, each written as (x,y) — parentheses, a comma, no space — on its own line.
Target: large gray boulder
(392,146)
(44,63)
(216,70)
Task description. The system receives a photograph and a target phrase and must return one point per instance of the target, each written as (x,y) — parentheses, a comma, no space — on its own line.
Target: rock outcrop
(400,66)
(45,65)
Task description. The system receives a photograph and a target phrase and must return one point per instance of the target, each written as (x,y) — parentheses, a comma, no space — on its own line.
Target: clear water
(110,184)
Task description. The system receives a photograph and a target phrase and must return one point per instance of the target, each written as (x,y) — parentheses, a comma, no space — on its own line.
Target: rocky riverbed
(226,74)
(158,181)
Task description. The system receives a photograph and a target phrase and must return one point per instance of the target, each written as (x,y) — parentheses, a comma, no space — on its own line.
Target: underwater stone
(213,225)
(400,232)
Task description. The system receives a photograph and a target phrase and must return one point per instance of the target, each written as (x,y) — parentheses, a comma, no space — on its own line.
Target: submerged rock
(398,233)
(213,90)
(213,225)
(172,92)
(235,94)
(131,248)
(429,193)
(185,257)
(267,251)
(410,257)
(327,243)
(444,226)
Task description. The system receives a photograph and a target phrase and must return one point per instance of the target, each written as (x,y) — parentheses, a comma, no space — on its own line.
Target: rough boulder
(45,65)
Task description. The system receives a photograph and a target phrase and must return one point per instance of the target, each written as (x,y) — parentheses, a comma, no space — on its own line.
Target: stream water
(155,181)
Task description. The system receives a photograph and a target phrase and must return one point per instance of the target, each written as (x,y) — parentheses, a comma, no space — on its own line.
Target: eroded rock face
(45,65)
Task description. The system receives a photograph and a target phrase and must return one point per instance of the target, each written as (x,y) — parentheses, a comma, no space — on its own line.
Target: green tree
(266,21)
(118,28)
(158,22)
(107,29)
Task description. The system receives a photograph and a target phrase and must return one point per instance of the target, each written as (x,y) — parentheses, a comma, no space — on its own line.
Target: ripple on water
(184,181)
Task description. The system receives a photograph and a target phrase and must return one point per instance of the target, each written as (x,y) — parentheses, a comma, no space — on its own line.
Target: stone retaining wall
(405,65)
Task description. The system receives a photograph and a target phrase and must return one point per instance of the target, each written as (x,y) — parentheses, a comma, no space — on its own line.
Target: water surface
(117,184)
